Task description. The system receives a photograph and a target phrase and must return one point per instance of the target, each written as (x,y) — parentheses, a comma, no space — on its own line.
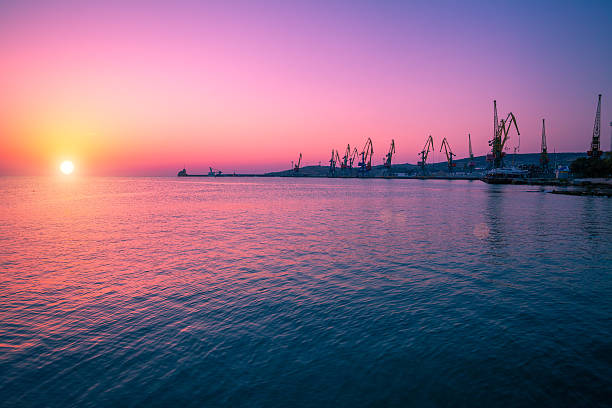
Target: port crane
(366,156)
(595,151)
(296,168)
(449,154)
(352,157)
(345,158)
(389,155)
(471,163)
(501,130)
(544,153)
(429,144)
(333,161)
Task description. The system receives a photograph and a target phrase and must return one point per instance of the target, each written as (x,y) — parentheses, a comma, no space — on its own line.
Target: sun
(67,167)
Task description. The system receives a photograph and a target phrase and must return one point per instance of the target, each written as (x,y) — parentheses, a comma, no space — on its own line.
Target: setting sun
(67,167)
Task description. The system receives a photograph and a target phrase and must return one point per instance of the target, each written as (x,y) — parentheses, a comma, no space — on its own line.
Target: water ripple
(298,292)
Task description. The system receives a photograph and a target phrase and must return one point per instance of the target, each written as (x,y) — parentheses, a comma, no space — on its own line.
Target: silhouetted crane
(429,144)
(449,154)
(389,155)
(345,158)
(296,168)
(471,163)
(366,157)
(332,162)
(544,160)
(595,151)
(352,158)
(501,129)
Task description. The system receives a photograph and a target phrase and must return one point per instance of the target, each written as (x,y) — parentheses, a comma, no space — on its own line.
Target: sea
(302,292)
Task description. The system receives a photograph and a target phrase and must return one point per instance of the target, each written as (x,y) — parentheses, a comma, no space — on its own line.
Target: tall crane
(296,168)
(332,162)
(501,129)
(471,163)
(389,155)
(352,158)
(366,156)
(345,158)
(449,154)
(595,151)
(429,144)
(544,160)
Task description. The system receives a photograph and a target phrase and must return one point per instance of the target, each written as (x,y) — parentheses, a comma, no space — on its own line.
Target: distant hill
(556,159)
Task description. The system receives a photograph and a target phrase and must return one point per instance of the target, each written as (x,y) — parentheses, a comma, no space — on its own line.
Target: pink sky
(147,87)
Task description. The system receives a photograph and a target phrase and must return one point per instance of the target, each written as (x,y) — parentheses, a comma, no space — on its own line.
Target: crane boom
(332,162)
(389,155)
(366,156)
(501,130)
(544,153)
(449,154)
(595,151)
(296,169)
(345,158)
(352,157)
(429,144)
(506,126)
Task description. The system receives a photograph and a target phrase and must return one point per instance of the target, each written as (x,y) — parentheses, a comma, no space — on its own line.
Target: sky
(147,87)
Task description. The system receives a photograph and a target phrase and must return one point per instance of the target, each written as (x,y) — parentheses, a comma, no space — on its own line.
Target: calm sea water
(302,292)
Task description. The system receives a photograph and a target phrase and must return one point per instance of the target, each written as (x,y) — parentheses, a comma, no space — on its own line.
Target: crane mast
(333,161)
(345,158)
(352,158)
(544,160)
(429,144)
(471,163)
(389,155)
(366,156)
(501,130)
(296,168)
(595,151)
(449,154)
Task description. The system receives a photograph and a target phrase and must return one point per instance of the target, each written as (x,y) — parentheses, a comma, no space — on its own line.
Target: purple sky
(144,87)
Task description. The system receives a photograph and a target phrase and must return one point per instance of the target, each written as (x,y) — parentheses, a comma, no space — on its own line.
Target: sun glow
(67,167)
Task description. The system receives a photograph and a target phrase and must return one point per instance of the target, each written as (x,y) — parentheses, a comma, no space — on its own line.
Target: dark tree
(592,167)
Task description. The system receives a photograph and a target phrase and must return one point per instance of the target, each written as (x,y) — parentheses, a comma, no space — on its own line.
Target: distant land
(556,159)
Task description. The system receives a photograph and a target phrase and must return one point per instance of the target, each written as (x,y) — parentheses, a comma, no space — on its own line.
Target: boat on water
(211,173)
(504,175)
(214,173)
